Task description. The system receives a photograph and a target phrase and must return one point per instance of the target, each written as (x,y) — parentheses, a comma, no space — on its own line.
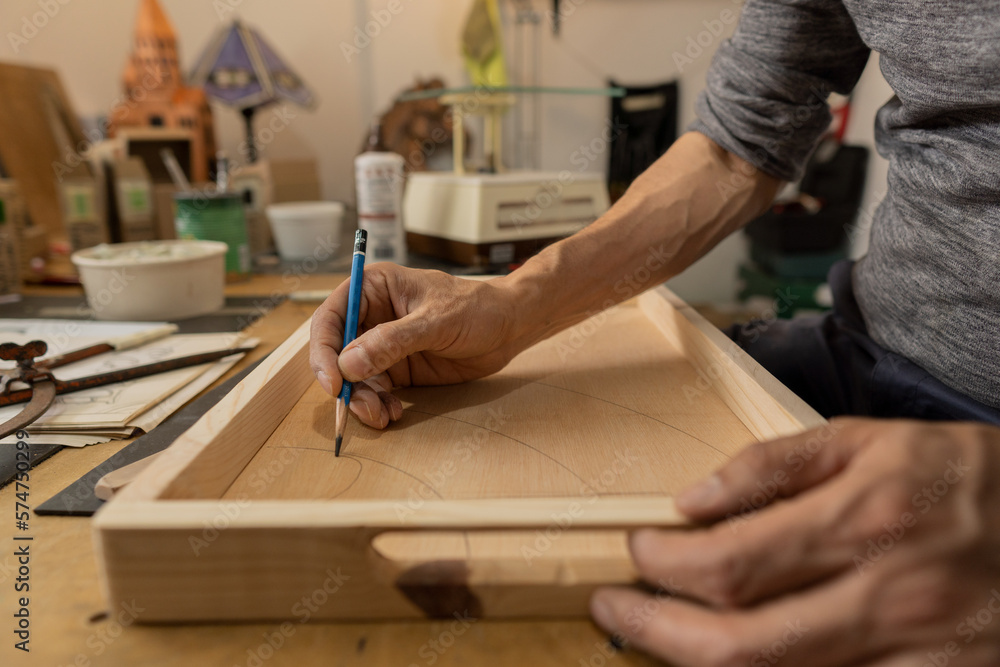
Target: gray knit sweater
(929,287)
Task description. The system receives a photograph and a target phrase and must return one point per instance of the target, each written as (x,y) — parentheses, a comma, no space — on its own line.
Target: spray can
(379,179)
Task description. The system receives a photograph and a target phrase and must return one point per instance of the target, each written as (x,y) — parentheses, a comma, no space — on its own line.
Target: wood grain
(767,407)
(79,628)
(29,147)
(509,496)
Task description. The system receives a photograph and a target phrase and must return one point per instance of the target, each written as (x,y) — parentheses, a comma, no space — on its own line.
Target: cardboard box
(32,240)
(11,281)
(133,200)
(163,211)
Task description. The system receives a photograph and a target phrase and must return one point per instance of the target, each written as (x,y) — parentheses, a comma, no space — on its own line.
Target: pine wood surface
(608,418)
(69,625)
(72,624)
(604,409)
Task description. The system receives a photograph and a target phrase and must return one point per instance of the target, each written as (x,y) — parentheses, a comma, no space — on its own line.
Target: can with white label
(379,178)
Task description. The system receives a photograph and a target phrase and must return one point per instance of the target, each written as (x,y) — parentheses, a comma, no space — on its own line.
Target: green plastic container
(206,216)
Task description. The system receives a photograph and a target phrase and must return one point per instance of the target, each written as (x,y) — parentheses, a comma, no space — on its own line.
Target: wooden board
(506,497)
(31,150)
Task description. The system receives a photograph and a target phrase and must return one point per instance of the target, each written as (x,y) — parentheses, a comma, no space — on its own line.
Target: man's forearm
(694,196)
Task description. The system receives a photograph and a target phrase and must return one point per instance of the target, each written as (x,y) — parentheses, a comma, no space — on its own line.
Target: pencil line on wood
(641,414)
(504,435)
(465,535)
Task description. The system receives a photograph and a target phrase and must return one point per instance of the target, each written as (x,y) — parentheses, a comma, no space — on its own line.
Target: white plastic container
(153,281)
(379,178)
(306,229)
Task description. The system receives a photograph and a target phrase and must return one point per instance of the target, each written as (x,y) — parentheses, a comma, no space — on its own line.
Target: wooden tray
(506,497)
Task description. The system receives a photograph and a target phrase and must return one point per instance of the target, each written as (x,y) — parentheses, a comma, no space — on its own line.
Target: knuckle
(930,598)
(867,518)
(892,500)
(383,343)
(724,578)
(725,650)
(639,619)
(757,457)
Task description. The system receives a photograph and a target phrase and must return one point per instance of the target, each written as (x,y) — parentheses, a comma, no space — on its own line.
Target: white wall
(634,41)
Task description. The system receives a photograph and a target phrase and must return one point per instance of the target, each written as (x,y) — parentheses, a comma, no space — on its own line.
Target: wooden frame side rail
(170,543)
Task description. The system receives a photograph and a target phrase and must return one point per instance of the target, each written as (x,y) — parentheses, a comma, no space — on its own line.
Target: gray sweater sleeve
(765,99)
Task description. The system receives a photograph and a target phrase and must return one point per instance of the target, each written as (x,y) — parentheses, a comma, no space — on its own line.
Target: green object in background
(80,202)
(789,294)
(138,200)
(482,45)
(215,217)
(791,266)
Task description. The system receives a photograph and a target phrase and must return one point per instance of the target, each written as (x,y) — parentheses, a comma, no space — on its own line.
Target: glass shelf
(514,90)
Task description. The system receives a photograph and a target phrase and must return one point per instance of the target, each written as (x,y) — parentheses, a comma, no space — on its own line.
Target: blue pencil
(351,327)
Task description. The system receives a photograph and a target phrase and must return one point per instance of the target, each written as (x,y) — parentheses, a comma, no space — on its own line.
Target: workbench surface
(70,624)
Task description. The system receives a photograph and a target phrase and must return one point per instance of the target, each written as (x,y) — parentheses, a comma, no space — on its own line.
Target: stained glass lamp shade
(241,70)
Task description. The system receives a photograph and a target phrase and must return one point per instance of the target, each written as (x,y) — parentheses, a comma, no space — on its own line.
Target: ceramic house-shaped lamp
(155,91)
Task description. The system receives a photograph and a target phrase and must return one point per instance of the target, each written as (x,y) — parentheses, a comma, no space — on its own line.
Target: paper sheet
(112,409)
(149,419)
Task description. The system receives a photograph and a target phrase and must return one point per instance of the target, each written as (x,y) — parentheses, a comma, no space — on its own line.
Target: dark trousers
(831,362)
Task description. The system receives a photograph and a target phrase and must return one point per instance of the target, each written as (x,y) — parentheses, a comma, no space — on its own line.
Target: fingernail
(603,616)
(325,382)
(355,364)
(392,404)
(701,495)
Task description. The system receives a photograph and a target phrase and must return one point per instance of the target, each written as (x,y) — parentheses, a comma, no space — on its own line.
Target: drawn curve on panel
(465,535)
(347,488)
(355,457)
(641,414)
(504,435)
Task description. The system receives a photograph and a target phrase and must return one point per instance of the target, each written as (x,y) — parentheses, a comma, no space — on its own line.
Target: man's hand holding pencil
(415,328)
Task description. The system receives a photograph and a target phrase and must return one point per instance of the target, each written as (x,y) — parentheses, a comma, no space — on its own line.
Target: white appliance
(481,219)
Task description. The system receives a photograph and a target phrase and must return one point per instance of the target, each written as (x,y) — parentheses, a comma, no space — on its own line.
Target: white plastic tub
(306,228)
(154,280)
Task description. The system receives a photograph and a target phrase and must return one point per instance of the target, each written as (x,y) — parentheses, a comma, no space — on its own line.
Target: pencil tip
(336,451)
